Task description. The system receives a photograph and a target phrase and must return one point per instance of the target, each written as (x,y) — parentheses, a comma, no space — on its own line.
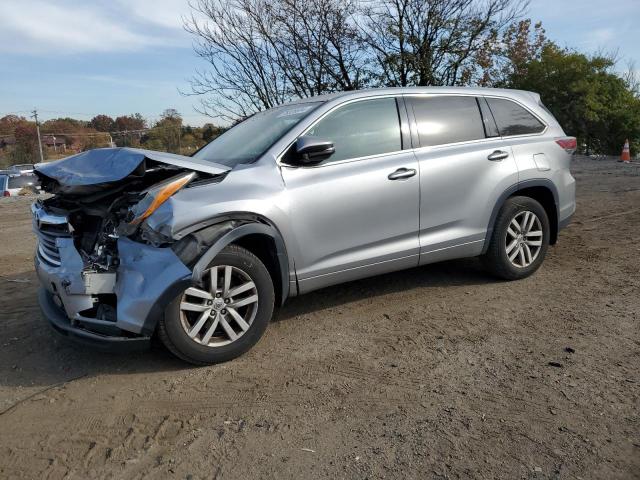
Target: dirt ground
(436,372)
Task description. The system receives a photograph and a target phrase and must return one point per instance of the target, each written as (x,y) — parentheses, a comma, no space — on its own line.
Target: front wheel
(225,315)
(520,239)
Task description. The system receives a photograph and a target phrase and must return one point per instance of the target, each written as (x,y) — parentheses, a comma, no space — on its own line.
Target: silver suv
(199,250)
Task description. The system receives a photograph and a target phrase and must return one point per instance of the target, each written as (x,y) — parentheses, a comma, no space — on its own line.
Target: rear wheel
(520,239)
(223,316)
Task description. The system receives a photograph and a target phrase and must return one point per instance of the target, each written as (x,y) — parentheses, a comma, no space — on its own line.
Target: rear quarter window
(447,119)
(512,119)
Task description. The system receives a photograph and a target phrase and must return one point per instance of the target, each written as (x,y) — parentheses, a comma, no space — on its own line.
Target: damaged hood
(109,165)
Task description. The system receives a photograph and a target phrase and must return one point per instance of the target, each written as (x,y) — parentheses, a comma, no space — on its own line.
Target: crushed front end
(106,277)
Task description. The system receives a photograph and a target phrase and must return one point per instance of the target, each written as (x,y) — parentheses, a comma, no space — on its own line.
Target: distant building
(54,142)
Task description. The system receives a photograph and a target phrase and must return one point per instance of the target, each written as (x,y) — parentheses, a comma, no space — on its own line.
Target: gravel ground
(436,372)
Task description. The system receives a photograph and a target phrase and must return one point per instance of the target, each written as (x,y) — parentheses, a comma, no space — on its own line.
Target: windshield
(248,140)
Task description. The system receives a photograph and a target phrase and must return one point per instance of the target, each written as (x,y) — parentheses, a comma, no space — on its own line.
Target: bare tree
(264,52)
(432,42)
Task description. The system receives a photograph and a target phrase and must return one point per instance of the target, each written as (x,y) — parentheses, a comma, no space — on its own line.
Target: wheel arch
(253,232)
(543,191)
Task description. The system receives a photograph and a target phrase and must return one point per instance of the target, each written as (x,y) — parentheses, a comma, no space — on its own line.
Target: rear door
(524,133)
(464,168)
(356,213)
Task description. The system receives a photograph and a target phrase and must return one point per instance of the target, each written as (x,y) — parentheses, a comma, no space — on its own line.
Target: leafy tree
(210,131)
(586,96)
(130,122)
(166,133)
(26,147)
(63,125)
(8,124)
(102,123)
(508,54)
(189,143)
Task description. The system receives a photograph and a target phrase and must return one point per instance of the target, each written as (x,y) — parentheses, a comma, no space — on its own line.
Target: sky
(81,58)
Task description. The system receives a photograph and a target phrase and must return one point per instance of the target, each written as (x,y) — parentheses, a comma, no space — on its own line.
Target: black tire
(496,260)
(175,338)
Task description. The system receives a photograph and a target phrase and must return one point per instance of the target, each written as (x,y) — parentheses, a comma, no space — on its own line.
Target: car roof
(502,92)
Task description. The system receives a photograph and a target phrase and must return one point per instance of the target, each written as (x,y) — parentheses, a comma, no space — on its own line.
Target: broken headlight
(155,196)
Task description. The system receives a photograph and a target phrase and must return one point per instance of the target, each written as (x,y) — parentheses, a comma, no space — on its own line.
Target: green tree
(210,131)
(8,124)
(585,94)
(26,147)
(63,125)
(166,133)
(508,54)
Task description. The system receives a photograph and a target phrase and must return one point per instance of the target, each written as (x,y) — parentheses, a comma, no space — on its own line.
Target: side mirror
(312,150)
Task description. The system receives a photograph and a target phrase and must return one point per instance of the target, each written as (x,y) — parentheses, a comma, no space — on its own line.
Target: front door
(357,213)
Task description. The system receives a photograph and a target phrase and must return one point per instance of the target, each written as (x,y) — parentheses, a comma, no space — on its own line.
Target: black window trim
(537,117)
(487,117)
(405,139)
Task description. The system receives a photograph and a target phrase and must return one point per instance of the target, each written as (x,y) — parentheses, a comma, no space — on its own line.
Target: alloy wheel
(523,239)
(223,310)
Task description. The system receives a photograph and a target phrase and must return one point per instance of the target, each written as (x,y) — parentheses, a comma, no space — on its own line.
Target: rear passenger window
(447,119)
(512,119)
(360,129)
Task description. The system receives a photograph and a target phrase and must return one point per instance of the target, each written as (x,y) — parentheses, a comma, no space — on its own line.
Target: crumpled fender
(148,279)
(233,233)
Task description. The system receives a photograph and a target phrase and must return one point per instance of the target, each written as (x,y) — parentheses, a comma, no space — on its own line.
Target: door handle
(402,173)
(498,155)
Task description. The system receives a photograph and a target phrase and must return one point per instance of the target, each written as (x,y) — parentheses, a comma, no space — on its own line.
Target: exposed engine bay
(93,241)
(97,219)
(99,213)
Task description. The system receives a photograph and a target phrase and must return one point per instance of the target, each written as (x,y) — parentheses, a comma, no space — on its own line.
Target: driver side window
(360,129)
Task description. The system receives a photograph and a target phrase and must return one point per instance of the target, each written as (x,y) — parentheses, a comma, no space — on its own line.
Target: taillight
(6,193)
(568,143)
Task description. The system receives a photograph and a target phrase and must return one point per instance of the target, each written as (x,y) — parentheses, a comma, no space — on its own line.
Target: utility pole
(35,115)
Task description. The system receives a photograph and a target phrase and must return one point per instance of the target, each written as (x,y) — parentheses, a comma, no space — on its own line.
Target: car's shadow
(32,354)
(451,273)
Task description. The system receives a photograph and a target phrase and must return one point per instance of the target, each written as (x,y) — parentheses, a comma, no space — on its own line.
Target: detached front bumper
(146,281)
(62,324)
